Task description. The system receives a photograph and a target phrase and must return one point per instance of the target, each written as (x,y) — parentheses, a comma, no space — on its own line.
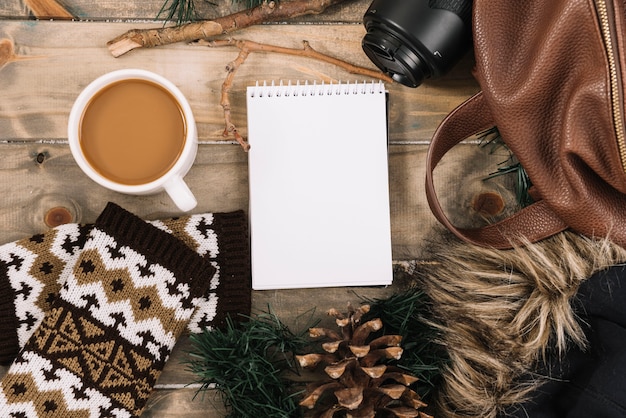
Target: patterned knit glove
(30,279)
(31,272)
(105,339)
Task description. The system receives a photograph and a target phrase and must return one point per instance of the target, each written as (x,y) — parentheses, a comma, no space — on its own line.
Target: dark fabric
(235,268)
(589,383)
(8,320)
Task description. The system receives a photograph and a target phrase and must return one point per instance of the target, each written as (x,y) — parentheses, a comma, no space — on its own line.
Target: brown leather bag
(553,79)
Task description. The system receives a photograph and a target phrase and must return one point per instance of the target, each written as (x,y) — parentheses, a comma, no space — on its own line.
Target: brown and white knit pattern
(222,238)
(30,279)
(31,272)
(105,339)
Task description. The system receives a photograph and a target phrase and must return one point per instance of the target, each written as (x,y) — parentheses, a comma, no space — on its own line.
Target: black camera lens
(412,40)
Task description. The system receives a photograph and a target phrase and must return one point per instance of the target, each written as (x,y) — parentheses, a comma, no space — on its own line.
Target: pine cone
(362,382)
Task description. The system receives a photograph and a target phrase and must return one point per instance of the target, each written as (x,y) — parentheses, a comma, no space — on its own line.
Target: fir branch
(267,11)
(247,363)
(407,314)
(250,3)
(492,138)
(183,11)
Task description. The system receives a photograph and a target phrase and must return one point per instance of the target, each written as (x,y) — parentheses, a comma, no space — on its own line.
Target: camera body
(412,40)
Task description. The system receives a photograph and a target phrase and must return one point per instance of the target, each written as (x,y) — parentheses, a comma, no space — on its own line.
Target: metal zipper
(616,105)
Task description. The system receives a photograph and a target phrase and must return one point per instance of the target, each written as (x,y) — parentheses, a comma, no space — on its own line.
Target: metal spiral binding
(306,89)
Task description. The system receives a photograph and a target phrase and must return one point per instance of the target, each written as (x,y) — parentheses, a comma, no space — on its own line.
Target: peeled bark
(266,12)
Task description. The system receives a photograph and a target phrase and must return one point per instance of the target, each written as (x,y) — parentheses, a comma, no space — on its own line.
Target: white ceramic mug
(172,181)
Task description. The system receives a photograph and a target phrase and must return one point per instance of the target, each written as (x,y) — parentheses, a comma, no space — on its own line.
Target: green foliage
(180,11)
(247,363)
(492,138)
(406,314)
(184,11)
(252,364)
(250,3)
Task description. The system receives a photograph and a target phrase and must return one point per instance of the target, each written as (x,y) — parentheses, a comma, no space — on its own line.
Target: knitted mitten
(105,339)
(30,279)
(222,238)
(31,272)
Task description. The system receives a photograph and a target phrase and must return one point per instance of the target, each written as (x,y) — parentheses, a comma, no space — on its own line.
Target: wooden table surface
(54,59)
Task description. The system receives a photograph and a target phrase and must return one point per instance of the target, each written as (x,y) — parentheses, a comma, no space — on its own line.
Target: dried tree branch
(247,47)
(230,127)
(306,51)
(266,12)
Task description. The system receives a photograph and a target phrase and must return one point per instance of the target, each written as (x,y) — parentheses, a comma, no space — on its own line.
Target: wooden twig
(47,9)
(247,47)
(230,127)
(306,51)
(266,12)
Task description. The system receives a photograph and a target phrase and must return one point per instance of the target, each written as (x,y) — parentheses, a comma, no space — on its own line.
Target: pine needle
(179,11)
(492,138)
(247,363)
(406,314)
(250,3)
(184,11)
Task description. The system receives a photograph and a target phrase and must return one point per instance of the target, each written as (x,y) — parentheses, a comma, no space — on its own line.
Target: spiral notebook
(319,189)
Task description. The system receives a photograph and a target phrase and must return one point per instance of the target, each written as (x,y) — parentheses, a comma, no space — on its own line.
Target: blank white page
(319,186)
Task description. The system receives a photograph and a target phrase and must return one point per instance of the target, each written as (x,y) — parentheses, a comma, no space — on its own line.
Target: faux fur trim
(500,311)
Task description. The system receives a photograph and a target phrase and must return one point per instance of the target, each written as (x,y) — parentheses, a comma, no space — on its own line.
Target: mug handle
(180,193)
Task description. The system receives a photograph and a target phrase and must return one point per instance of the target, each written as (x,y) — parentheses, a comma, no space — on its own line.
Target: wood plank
(219,179)
(38,172)
(184,403)
(31,189)
(349,11)
(35,104)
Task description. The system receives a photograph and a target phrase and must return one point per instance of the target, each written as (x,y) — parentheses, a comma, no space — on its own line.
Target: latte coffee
(132,131)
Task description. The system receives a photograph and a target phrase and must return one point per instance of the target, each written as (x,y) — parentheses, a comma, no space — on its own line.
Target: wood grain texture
(348,12)
(55,60)
(47,9)
(39,177)
(63,57)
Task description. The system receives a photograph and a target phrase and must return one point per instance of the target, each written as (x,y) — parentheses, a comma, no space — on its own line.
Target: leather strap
(533,223)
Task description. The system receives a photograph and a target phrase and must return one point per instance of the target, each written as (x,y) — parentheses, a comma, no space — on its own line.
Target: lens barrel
(413,40)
